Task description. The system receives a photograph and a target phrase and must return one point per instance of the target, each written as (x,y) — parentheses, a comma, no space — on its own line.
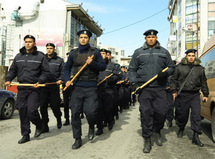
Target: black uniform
(84,95)
(106,95)
(189,96)
(51,94)
(29,68)
(146,62)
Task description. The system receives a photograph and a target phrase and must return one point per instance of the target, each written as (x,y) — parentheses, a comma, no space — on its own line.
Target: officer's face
(84,39)
(104,55)
(29,44)
(50,50)
(191,57)
(109,56)
(151,40)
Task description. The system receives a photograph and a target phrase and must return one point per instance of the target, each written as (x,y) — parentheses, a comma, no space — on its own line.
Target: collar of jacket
(53,57)
(146,46)
(23,50)
(185,62)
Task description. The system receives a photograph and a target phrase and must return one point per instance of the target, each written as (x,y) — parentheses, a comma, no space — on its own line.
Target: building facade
(192,23)
(117,53)
(55,21)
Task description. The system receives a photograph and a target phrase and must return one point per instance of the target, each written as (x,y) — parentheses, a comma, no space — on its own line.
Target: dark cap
(191,50)
(103,50)
(50,44)
(87,32)
(122,67)
(108,51)
(29,36)
(150,32)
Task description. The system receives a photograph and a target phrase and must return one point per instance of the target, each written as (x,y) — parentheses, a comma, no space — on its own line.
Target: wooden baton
(149,81)
(78,73)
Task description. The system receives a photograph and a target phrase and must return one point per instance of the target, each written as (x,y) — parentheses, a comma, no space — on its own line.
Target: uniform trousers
(170,112)
(105,100)
(153,108)
(50,95)
(27,103)
(86,99)
(184,102)
(66,100)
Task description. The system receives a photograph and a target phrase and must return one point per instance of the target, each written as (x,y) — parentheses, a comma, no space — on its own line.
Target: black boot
(77,144)
(147,145)
(66,122)
(91,132)
(24,139)
(59,123)
(99,132)
(180,132)
(117,116)
(110,126)
(45,128)
(158,139)
(196,140)
(38,131)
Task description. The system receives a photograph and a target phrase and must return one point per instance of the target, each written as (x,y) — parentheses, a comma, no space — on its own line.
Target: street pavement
(123,142)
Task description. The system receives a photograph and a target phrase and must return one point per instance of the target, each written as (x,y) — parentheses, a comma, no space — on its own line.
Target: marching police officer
(51,93)
(84,94)
(105,93)
(188,78)
(30,66)
(146,62)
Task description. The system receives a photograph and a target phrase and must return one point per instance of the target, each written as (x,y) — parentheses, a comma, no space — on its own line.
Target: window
(211,10)
(211,28)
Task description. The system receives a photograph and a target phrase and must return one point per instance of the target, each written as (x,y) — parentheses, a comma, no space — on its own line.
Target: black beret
(103,50)
(122,67)
(108,51)
(29,36)
(50,44)
(87,32)
(191,50)
(150,32)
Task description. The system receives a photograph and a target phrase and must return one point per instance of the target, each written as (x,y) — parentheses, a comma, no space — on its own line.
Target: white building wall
(115,52)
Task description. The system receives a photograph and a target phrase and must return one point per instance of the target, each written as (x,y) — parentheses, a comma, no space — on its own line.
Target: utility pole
(197,25)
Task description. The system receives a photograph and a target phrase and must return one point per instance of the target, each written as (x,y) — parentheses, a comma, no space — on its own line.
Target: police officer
(66,99)
(123,90)
(84,94)
(188,78)
(146,62)
(116,91)
(106,93)
(51,93)
(30,66)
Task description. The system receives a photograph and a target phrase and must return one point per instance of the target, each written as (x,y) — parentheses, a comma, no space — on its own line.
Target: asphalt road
(123,142)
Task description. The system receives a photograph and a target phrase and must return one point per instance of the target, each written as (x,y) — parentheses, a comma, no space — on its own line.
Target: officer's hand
(162,75)
(68,83)
(174,96)
(89,60)
(59,82)
(36,85)
(7,84)
(205,99)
